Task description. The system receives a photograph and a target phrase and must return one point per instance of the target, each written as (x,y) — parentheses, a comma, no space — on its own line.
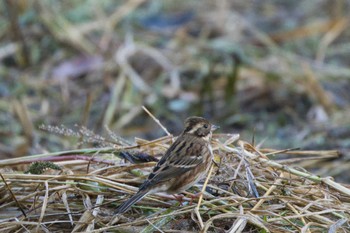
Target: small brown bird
(186,162)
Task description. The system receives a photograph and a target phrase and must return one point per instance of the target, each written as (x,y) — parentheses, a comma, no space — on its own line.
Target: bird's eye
(206,126)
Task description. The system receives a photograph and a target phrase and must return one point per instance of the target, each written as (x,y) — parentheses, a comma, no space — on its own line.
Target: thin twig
(156,120)
(196,210)
(13,196)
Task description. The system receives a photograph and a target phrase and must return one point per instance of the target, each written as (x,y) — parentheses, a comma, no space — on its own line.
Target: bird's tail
(126,205)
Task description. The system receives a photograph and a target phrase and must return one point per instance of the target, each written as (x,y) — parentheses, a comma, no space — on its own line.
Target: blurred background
(277,71)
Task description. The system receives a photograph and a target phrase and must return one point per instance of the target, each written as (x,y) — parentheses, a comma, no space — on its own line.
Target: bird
(186,162)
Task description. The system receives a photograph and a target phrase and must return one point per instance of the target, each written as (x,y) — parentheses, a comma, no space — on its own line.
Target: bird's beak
(214,127)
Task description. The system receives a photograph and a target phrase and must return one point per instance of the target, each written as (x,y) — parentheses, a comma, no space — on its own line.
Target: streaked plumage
(186,162)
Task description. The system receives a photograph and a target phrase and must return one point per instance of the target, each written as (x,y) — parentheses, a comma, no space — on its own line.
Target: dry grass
(238,67)
(93,182)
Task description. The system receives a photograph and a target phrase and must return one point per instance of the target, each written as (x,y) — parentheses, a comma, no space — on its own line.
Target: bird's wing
(184,155)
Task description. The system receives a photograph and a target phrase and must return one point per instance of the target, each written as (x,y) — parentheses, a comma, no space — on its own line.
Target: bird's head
(200,127)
